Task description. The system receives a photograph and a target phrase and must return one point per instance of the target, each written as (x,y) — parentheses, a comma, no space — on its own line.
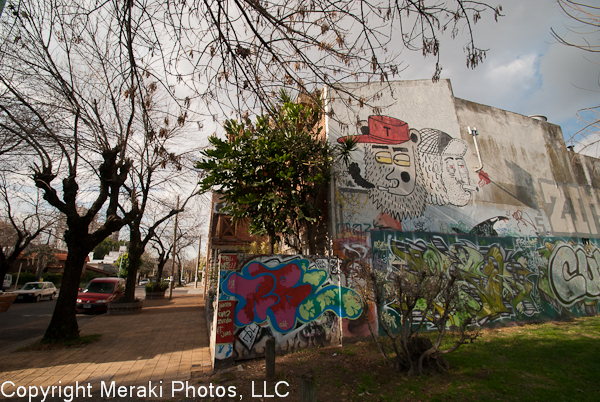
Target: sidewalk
(166,342)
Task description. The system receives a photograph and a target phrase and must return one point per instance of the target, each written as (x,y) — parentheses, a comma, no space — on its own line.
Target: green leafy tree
(273,171)
(123,263)
(106,246)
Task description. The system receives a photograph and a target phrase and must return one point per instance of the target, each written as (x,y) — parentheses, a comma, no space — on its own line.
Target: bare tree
(248,50)
(22,220)
(163,250)
(162,167)
(410,300)
(188,229)
(70,77)
(585,19)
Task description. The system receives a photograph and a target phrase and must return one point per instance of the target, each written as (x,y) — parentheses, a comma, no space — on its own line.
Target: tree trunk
(4,266)
(312,239)
(271,243)
(159,270)
(136,249)
(63,325)
(179,273)
(134,263)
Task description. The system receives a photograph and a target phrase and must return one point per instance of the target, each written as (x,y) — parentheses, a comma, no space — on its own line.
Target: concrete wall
(532,171)
(530,184)
(522,217)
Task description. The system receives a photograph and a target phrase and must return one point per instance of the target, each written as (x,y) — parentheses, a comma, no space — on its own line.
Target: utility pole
(198,261)
(171,284)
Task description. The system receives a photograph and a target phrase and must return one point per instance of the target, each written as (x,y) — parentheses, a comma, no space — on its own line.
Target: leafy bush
(414,298)
(157,286)
(56,279)
(27,277)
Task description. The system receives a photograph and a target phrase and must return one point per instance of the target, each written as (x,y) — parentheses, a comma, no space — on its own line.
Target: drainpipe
(473,132)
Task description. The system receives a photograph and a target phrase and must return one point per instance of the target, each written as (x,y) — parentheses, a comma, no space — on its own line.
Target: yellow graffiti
(307,310)
(351,201)
(351,304)
(314,277)
(380,245)
(326,298)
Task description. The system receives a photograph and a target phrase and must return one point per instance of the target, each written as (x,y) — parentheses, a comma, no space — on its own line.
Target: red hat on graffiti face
(383,130)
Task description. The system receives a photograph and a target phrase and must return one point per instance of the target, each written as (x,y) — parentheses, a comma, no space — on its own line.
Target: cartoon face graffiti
(392,168)
(447,176)
(392,172)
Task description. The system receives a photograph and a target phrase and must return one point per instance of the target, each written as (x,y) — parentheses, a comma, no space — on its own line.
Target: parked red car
(98,293)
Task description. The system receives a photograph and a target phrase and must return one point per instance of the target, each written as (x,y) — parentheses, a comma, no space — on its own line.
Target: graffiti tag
(287,294)
(574,274)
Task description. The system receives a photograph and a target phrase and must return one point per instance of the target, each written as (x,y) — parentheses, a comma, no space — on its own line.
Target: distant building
(225,235)
(106,264)
(26,263)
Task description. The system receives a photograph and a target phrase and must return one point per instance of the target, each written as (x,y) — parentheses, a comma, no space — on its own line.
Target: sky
(526,70)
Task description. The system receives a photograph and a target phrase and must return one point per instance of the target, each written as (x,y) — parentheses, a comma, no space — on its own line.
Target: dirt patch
(353,372)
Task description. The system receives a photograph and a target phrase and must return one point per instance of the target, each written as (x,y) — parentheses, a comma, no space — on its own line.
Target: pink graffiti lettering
(269,290)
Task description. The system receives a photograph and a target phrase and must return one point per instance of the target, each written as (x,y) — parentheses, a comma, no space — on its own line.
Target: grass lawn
(554,361)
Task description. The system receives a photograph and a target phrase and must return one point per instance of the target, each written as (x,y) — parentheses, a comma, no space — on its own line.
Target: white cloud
(525,71)
(520,71)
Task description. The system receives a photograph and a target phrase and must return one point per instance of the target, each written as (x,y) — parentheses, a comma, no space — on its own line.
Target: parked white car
(35,291)
(144,282)
(7,282)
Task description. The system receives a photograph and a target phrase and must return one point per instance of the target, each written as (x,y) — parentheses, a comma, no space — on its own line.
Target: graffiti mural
(405,169)
(442,161)
(570,208)
(506,278)
(354,253)
(287,294)
(392,172)
(418,179)
(302,302)
(574,274)
(295,300)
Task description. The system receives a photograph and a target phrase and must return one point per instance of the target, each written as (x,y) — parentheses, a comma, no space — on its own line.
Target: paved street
(28,320)
(25,321)
(166,342)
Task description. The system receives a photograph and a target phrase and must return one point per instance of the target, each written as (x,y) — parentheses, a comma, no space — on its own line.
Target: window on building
(226,227)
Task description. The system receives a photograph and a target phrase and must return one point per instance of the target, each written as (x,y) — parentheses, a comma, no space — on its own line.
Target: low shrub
(157,286)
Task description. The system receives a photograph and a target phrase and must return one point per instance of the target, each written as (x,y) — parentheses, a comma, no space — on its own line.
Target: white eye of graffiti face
(402,160)
(450,166)
(462,168)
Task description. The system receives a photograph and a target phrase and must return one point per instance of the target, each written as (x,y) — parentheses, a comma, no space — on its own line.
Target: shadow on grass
(552,361)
